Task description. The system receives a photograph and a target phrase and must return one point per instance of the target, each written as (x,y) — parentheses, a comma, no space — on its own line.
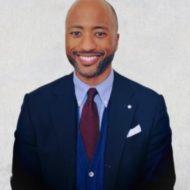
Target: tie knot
(91,93)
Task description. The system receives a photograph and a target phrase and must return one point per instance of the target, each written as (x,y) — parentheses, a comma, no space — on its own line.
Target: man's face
(91,40)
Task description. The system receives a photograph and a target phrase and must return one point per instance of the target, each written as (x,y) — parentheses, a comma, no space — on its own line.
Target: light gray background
(154,50)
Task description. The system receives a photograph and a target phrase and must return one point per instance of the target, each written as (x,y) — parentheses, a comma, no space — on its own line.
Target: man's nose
(88,43)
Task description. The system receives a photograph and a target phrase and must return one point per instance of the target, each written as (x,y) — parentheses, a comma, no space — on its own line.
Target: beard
(101,67)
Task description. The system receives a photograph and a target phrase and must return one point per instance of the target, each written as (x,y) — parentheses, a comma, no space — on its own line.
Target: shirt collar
(104,89)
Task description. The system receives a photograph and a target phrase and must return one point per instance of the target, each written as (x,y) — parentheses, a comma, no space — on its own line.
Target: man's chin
(87,74)
(87,70)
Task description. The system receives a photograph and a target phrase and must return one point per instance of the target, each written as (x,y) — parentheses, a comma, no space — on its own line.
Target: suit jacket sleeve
(25,169)
(159,165)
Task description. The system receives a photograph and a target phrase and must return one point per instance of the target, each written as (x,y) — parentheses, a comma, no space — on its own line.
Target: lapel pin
(129,106)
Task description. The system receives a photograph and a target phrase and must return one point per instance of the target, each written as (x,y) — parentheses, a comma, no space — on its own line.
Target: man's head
(91,39)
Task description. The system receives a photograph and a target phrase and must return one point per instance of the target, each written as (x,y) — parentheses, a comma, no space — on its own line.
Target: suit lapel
(121,110)
(64,116)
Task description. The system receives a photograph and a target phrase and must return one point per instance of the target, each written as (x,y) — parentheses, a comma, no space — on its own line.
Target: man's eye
(100,34)
(76,34)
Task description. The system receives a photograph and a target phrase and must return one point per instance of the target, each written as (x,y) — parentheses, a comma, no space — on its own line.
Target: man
(93,129)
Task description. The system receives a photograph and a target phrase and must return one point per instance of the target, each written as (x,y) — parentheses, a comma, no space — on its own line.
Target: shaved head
(114,13)
(77,4)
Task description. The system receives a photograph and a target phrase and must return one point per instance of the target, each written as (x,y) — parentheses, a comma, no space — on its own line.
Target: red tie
(89,124)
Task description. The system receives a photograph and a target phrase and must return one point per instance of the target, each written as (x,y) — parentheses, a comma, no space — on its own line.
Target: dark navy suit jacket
(44,154)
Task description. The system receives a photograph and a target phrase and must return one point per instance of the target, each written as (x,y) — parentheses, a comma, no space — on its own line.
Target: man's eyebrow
(75,26)
(94,28)
(101,27)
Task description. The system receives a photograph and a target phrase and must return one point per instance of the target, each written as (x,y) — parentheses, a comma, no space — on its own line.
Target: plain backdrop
(154,50)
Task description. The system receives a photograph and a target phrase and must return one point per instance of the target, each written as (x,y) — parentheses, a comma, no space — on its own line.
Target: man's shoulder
(141,92)
(138,87)
(146,98)
(57,86)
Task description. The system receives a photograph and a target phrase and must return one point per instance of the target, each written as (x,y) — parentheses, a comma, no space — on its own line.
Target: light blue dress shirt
(102,98)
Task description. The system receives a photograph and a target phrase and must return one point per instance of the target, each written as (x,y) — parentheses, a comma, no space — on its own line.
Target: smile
(88,59)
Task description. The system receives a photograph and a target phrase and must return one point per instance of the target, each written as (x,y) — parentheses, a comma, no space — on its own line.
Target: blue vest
(90,173)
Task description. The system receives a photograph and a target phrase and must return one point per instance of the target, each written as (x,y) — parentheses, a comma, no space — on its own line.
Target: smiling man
(91,39)
(93,129)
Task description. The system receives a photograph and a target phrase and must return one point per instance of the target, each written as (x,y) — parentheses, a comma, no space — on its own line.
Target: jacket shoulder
(144,95)
(135,86)
(56,86)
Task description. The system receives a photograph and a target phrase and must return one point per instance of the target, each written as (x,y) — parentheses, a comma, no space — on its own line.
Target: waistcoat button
(91,174)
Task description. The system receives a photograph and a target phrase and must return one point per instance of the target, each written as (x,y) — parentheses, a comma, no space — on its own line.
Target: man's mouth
(88,59)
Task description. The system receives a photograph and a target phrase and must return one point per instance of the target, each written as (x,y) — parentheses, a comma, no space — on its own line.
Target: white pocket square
(135,130)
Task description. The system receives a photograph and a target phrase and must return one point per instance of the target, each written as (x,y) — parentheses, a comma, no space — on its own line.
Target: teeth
(92,58)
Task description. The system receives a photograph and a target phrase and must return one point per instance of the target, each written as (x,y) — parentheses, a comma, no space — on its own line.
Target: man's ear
(117,41)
